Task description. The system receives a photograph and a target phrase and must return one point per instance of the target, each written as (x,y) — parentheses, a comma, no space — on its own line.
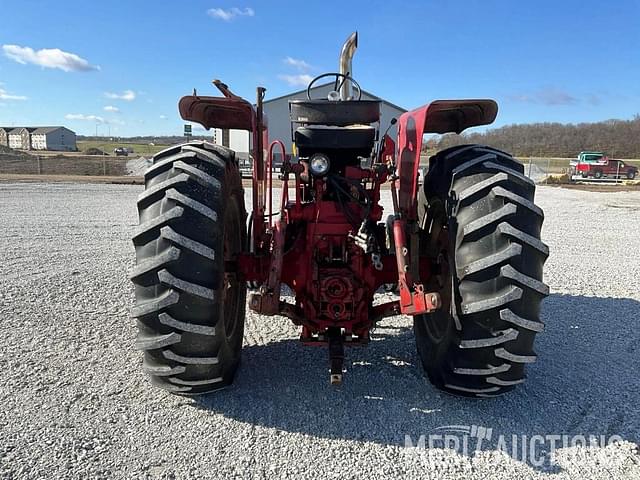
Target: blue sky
(67,62)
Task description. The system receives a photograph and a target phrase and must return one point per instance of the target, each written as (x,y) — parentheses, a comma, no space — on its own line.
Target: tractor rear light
(319,164)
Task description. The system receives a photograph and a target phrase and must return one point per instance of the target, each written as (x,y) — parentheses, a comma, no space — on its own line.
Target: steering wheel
(340,79)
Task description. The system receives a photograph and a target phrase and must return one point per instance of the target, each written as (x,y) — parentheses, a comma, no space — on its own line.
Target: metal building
(277,113)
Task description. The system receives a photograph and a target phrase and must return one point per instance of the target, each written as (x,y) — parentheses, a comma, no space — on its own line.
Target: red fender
(440,116)
(234,112)
(218,112)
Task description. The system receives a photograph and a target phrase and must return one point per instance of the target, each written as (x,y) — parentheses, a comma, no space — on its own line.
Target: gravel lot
(75,404)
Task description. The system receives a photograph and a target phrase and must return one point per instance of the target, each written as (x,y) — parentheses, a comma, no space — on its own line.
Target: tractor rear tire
(190,306)
(479,205)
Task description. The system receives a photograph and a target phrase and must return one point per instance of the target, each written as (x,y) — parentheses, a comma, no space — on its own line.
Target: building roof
(18,130)
(46,129)
(375,97)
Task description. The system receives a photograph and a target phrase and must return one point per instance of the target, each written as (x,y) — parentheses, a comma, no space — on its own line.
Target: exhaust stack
(346,55)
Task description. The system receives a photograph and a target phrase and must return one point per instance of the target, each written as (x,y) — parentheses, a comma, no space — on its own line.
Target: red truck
(607,167)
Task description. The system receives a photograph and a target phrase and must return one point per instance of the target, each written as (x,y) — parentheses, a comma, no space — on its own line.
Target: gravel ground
(75,404)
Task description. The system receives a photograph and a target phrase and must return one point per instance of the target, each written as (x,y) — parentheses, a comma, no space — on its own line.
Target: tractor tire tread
(497,257)
(179,271)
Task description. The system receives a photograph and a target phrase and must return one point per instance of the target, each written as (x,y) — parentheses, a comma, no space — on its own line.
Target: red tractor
(463,248)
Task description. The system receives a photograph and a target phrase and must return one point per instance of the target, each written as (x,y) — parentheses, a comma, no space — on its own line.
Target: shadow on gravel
(584,383)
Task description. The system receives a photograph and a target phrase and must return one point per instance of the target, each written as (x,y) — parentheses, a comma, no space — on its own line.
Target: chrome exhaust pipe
(346,55)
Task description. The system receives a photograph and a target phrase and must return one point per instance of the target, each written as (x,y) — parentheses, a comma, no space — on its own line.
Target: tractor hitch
(413,298)
(267,300)
(336,354)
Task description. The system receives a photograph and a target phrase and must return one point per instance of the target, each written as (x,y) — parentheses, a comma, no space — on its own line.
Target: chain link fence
(557,170)
(63,165)
(540,169)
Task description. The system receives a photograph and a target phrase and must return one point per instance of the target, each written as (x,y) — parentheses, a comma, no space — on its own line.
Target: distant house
(4,136)
(20,138)
(38,138)
(53,138)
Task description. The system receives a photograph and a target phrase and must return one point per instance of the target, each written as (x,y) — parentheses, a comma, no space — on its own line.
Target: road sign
(187,130)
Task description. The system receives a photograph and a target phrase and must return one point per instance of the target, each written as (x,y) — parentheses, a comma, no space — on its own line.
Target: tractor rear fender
(218,112)
(439,116)
(232,112)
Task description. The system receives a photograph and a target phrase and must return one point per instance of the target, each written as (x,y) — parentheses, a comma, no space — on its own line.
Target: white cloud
(93,118)
(48,58)
(128,95)
(301,65)
(88,118)
(231,13)
(112,109)
(163,117)
(6,96)
(301,80)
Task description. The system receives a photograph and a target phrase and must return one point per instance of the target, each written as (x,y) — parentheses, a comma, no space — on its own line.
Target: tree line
(616,138)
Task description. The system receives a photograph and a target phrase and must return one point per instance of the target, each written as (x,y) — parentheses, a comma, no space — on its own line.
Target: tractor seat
(320,137)
(325,112)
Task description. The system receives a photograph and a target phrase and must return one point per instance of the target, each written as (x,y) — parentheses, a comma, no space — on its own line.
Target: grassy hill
(107,147)
(139,145)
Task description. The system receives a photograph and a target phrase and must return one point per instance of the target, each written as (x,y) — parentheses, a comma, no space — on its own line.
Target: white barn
(277,113)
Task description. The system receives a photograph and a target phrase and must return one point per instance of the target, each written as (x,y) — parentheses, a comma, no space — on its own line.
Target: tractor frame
(333,309)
